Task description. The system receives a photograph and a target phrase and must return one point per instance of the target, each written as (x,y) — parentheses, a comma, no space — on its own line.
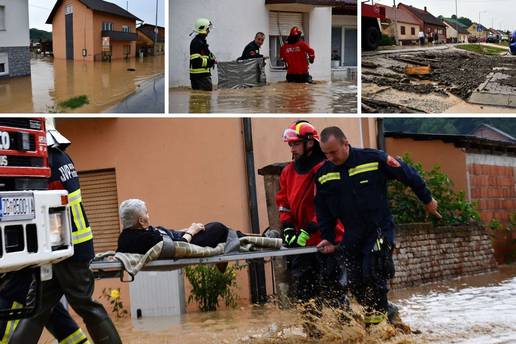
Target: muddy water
(53,81)
(281,97)
(474,310)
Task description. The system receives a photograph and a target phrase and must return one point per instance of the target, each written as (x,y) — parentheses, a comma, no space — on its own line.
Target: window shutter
(286,21)
(99,195)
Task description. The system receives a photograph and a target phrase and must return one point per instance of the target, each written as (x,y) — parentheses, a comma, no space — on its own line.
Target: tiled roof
(148,30)
(425,16)
(454,23)
(99,6)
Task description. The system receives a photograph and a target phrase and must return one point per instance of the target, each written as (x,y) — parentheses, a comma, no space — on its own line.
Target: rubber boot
(27,332)
(104,333)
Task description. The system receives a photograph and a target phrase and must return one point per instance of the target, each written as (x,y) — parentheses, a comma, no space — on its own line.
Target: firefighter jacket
(295,200)
(201,59)
(251,51)
(64,177)
(356,194)
(296,57)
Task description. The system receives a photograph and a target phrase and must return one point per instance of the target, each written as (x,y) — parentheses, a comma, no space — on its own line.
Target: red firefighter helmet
(300,131)
(295,31)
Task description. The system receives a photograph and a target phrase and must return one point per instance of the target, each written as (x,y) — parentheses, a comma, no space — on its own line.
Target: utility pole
(457,20)
(156,29)
(396,37)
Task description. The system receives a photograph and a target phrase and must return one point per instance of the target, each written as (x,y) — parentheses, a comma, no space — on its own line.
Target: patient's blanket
(134,262)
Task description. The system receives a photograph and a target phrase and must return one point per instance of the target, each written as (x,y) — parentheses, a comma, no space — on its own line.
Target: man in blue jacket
(352,187)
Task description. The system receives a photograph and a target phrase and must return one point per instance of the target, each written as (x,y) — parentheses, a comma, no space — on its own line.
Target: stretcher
(114,268)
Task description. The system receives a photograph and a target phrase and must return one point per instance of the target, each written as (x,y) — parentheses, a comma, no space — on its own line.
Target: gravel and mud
(454,75)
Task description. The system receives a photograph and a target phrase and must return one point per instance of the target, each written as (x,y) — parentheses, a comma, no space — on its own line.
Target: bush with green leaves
(209,285)
(453,205)
(387,40)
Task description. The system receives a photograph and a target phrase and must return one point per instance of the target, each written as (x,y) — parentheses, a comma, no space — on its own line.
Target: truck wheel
(371,38)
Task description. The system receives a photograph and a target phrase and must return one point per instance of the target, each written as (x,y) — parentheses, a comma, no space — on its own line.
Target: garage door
(99,195)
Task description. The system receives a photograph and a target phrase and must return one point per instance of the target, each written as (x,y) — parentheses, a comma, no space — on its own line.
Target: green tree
(453,205)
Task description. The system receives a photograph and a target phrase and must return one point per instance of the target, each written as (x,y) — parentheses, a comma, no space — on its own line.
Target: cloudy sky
(143,9)
(498,12)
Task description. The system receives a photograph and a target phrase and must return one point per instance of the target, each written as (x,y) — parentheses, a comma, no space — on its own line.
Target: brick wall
(425,253)
(493,187)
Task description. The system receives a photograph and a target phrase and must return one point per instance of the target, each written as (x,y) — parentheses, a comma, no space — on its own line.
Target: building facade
(455,31)
(92,30)
(327,26)
(14,39)
(407,27)
(429,23)
(146,35)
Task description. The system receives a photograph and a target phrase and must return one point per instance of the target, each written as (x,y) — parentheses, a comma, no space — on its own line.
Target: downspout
(380,139)
(256,267)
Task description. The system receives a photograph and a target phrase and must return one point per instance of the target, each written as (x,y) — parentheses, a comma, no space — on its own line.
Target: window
(2,17)
(68,9)
(107,26)
(280,24)
(125,28)
(4,64)
(413,31)
(343,46)
(403,30)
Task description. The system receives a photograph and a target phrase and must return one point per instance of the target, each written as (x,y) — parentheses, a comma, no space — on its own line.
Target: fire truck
(35,228)
(371,26)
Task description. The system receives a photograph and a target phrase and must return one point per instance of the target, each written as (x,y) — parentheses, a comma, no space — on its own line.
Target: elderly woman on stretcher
(138,236)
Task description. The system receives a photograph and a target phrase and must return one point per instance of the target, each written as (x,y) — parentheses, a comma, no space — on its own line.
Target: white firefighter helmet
(203,26)
(54,137)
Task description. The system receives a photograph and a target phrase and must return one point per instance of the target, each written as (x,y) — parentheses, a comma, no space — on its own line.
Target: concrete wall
(16,33)
(425,253)
(187,170)
(451,159)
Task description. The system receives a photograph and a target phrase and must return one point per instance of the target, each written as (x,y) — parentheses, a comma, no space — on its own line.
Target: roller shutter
(280,23)
(99,195)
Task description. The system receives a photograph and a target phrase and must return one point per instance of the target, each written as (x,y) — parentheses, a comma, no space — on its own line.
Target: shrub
(453,205)
(387,40)
(209,284)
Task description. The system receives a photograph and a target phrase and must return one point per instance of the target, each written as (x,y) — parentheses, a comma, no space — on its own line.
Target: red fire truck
(35,229)
(371,26)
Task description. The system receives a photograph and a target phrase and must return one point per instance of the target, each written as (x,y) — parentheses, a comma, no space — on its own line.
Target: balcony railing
(120,35)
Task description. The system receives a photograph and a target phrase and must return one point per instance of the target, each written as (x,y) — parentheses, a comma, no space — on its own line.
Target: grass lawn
(74,103)
(482,49)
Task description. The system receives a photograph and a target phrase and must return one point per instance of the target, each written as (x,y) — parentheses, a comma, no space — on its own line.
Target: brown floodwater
(472,310)
(279,97)
(54,80)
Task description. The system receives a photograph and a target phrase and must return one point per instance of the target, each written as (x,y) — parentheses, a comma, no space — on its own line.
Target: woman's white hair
(130,210)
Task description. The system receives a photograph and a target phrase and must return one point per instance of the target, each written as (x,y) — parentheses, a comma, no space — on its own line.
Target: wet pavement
(53,81)
(471,310)
(148,98)
(280,97)
(456,77)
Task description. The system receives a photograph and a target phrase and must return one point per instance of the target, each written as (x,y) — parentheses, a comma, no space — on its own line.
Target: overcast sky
(143,9)
(501,13)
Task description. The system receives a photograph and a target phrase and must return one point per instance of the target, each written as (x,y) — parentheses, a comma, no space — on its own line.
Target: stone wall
(425,253)
(18,59)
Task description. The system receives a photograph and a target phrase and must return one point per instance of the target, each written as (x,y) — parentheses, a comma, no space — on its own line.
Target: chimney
(425,9)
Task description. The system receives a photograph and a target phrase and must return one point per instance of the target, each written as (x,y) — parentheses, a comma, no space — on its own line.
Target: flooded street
(472,310)
(54,81)
(280,97)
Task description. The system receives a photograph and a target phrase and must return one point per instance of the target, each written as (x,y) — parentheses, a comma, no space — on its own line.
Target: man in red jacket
(297,53)
(313,275)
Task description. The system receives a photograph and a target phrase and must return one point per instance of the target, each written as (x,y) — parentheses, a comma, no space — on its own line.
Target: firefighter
(252,50)
(312,274)
(14,295)
(201,59)
(352,187)
(296,54)
(71,277)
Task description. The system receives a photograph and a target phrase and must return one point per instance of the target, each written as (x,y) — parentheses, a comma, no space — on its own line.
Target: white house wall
(235,24)
(16,33)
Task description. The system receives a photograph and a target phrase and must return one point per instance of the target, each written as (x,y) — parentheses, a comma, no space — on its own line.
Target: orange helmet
(295,31)
(300,131)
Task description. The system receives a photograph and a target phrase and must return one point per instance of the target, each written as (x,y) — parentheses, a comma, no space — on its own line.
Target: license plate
(16,207)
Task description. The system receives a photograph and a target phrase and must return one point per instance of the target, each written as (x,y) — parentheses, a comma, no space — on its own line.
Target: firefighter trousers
(201,83)
(76,282)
